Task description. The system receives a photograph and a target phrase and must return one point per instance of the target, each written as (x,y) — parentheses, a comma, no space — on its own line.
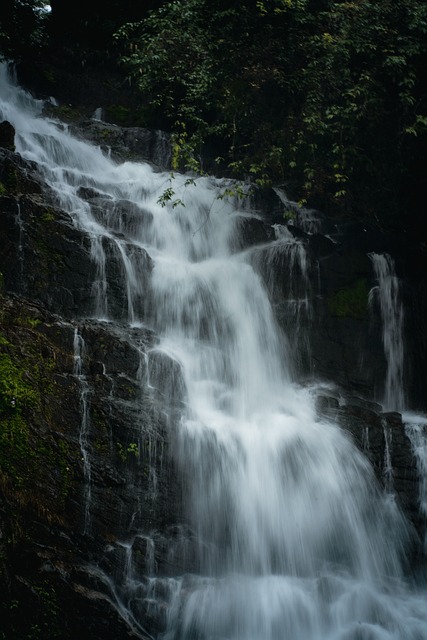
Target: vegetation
(326,97)
(43,624)
(124,451)
(26,383)
(22,28)
(350,302)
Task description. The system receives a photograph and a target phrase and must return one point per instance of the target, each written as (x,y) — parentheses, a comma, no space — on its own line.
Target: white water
(416,430)
(295,540)
(286,268)
(79,352)
(392,318)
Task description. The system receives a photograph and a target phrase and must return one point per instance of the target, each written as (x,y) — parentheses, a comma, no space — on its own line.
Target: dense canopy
(325,97)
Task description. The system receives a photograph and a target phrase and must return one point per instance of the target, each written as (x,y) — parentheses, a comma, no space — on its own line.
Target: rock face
(84,444)
(86,410)
(128,143)
(323,288)
(7,136)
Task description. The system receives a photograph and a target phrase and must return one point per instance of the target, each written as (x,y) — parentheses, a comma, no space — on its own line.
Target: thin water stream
(391,309)
(295,540)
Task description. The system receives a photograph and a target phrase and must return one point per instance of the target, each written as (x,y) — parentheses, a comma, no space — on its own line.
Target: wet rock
(44,256)
(252,230)
(320,246)
(87,193)
(17,175)
(382,439)
(127,143)
(7,135)
(127,490)
(121,216)
(326,405)
(94,475)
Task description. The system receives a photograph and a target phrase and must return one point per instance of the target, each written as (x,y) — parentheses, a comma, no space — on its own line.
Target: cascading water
(79,350)
(285,267)
(392,317)
(20,226)
(416,430)
(391,309)
(293,538)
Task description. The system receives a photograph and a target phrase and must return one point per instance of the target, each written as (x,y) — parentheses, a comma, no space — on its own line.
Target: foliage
(22,27)
(350,302)
(328,97)
(26,381)
(16,395)
(35,618)
(124,451)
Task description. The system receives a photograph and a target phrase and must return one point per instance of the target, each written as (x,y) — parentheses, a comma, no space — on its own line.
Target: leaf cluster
(22,28)
(328,97)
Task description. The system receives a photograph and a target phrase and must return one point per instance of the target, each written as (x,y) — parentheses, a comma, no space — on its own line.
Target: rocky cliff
(89,499)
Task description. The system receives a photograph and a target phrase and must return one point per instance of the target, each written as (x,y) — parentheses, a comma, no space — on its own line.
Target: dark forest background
(327,98)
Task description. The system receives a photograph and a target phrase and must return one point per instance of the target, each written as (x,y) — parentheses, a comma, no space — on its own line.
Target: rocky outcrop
(84,458)
(87,480)
(127,143)
(7,136)
(383,439)
(84,443)
(321,284)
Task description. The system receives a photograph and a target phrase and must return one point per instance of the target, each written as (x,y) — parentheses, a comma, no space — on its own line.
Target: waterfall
(292,536)
(416,430)
(392,318)
(79,351)
(21,258)
(388,468)
(285,267)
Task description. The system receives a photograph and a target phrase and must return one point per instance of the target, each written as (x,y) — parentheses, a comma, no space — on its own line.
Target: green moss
(12,181)
(34,616)
(3,189)
(16,397)
(27,321)
(48,215)
(126,451)
(51,260)
(119,114)
(67,113)
(351,301)
(26,459)
(14,391)
(50,75)
(33,322)
(64,466)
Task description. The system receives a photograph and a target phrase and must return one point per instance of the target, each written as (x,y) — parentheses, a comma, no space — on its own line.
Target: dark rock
(121,216)
(326,405)
(45,256)
(127,143)
(393,418)
(382,438)
(320,246)
(7,135)
(18,176)
(97,482)
(252,230)
(87,193)
(52,493)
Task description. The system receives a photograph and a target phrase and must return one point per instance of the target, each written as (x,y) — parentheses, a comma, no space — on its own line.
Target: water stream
(79,352)
(294,539)
(391,309)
